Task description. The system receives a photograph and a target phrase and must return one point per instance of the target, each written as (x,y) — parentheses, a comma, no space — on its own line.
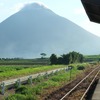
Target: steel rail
(90,85)
(78,84)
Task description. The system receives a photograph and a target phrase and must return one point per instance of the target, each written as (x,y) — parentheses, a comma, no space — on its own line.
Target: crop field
(42,85)
(14,71)
(92,58)
(20,61)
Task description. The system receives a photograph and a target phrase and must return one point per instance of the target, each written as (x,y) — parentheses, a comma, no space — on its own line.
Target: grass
(8,72)
(44,85)
(18,61)
(92,58)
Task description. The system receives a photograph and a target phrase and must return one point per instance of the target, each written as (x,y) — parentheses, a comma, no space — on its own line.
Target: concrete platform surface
(96,95)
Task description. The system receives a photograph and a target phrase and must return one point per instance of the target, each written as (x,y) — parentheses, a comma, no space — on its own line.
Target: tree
(65,58)
(71,57)
(43,55)
(60,60)
(81,58)
(53,59)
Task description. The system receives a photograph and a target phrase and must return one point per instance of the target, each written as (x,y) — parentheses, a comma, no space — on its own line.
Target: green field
(92,58)
(8,71)
(41,61)
(20,61)
(44,85)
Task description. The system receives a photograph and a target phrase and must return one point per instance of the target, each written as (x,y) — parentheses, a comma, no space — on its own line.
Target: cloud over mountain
(36,5)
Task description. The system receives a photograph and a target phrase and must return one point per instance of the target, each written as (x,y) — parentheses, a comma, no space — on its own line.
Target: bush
(38,79)
(80,67)
(37,90)
(23,90)
(31,97)
(21,97)
(16,97)
(19,68)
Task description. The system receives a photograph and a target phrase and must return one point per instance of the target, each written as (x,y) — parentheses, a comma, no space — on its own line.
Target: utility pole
(70,69)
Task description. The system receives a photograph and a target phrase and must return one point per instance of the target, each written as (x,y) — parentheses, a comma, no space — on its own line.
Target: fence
(19,81)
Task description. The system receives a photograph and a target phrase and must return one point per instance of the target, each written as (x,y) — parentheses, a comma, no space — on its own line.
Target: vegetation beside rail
(45,85)
(70,58)
(8,72)
(92,58)
(21,61)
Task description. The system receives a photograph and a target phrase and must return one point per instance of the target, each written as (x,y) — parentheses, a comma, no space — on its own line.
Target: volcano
(36,29)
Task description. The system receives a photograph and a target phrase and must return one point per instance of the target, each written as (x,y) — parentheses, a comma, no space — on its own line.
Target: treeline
(11,59)
(71,57)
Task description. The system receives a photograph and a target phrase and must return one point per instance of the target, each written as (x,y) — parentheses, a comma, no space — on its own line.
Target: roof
(92,8)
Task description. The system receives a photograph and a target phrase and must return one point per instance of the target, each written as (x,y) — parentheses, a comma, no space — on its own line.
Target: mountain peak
(35,5)
(37,29)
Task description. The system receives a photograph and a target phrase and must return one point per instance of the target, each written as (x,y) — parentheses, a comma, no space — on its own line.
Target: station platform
(96,95)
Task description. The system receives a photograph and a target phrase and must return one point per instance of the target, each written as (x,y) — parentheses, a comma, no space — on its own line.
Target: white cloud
(79,11)
(39,3)
(19,6)
(84,21)
(1,4)
(91,26)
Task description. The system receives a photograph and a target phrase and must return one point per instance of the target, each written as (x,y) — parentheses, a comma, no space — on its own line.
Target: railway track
(77,89)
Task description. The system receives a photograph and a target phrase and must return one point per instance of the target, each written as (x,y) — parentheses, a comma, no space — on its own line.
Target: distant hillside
(36,29)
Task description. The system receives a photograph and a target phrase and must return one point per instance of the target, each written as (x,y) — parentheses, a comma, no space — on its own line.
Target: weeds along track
(77,89)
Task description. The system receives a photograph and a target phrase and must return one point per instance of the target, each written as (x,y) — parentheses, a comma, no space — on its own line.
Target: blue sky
(70,9)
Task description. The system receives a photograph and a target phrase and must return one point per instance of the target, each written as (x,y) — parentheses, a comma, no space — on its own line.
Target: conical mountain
(36,29)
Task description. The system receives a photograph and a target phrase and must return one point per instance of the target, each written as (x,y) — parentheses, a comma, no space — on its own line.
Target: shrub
(80,67)
(21,97)
(37,90)
(31,97)
(23,90)
(16,97)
